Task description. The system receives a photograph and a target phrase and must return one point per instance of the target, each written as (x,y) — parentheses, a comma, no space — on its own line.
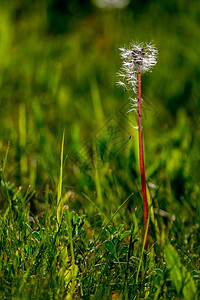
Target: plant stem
(141,154)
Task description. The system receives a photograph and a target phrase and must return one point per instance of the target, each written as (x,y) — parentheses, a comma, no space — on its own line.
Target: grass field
(71,211)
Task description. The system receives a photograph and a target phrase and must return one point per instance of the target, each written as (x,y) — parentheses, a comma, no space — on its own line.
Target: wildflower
(137,60)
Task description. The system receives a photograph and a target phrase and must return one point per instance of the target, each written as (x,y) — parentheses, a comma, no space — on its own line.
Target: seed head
(138,58)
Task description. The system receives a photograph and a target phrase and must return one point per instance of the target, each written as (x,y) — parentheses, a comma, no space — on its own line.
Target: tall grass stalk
(71,272)
(59,194)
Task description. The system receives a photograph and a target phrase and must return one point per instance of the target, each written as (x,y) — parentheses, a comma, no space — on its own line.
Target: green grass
(71,213)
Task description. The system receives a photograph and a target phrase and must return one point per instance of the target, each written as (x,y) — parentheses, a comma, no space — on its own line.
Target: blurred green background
(58,65)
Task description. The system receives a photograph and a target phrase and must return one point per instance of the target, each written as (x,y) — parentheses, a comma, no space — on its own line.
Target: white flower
(138,58)
(134,104)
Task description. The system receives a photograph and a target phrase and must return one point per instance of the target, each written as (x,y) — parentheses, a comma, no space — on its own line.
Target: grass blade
(59,195)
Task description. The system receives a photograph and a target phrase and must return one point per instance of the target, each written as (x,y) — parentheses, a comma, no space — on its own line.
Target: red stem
(142,169)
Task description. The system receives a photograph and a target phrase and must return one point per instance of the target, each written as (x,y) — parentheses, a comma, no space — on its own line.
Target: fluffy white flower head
(137,58)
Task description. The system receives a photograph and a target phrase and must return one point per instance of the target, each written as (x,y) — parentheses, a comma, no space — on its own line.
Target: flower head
(138,58)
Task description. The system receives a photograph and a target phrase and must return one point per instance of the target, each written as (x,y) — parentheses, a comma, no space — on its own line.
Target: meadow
(71,211)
